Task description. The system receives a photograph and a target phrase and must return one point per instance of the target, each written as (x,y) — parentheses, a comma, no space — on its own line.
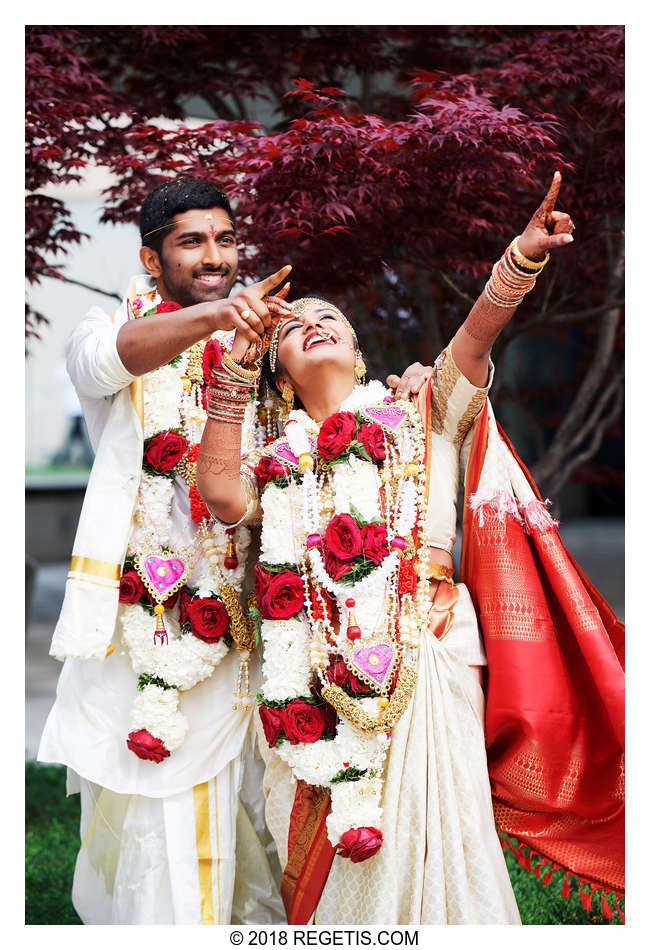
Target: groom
(158,836)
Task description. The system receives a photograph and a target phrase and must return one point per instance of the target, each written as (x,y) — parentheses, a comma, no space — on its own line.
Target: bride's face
(315,339)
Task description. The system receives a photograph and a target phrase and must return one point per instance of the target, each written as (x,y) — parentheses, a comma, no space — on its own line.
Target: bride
(371,709)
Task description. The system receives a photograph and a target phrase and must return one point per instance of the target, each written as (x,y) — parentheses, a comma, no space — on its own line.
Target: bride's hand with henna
(548,228)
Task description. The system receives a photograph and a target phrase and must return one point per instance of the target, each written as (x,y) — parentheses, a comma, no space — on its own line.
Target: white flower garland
(290,515)
(185,660)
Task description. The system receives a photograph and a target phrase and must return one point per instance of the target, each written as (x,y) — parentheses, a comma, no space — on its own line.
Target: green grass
(52,842)
(51,845)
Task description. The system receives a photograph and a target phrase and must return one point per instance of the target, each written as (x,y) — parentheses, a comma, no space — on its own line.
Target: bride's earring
(360,368)
(287,396)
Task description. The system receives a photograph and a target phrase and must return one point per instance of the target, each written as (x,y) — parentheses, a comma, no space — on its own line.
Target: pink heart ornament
(374,662)
(162,573)
(389,418)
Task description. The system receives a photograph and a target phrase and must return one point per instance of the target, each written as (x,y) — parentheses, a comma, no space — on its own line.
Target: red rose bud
(146,746)
(208,618)
(131,588)
(371,437)
(343,537)
(358,844)
(271,724)
(164,450)
(212,356)
(168,306)
(303,722)
(185,601)
(283,597)
(337,672)
(373,539)
(335,434)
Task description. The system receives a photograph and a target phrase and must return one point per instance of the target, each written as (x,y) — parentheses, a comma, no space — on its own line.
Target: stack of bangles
(230,391)
(512,277)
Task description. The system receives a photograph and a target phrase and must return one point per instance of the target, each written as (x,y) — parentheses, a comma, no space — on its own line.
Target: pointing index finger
(548,204)
(266,286)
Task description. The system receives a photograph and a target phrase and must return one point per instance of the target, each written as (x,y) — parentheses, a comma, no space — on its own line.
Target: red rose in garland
(212,355)
(358,844)
(337,672)
(304,722)
(146,746)
(185,601)
(271,719)
(165,450)
(335,434)
(282,596)
(168,306)
(335,567)
(357,686)
(371,437)
(262,579)
(267,470)
(375,545)
(343,537)
(131,588)
(208,618)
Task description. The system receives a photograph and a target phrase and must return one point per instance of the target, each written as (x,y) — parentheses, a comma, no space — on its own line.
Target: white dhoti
(190,858)
(441,861)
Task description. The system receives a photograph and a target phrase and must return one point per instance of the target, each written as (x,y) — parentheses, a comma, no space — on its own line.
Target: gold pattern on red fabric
(555,700)
(310,853)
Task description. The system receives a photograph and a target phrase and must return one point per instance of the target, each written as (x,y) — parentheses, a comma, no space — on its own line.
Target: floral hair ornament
(298,307)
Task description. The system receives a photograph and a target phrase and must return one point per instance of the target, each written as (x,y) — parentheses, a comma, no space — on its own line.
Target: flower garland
(199,628)
(341,599)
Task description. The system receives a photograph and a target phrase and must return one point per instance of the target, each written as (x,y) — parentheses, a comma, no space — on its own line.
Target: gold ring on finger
(245,314)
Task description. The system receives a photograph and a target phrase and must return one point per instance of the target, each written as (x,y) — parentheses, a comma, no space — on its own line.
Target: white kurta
(158,839)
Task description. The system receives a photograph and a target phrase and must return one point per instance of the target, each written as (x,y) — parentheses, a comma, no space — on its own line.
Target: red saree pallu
(554,717)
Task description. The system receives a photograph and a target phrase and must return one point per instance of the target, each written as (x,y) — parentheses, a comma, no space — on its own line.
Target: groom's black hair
(172,197)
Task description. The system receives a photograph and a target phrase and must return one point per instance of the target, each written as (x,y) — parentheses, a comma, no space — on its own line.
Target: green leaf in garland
(150,679)
(351,774)
(358,517)
(278,568)
(175,360)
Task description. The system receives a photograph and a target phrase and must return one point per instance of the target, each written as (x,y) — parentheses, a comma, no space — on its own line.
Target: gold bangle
(250,375)
(525,261)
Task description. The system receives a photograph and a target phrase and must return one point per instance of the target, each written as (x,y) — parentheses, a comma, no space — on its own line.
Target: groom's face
(198,258)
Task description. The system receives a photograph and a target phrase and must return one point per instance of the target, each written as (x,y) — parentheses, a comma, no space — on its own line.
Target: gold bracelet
(250,375)
(525,261)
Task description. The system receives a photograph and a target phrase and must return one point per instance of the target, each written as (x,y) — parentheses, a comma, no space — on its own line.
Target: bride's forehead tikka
(298,307)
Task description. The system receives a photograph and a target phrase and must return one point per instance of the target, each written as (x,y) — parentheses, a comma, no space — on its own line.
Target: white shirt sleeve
(92,360)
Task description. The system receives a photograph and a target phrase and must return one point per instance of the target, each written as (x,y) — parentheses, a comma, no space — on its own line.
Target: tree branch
(459,293)
(95,290)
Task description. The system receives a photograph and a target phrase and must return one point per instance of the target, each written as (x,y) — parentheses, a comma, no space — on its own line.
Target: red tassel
(607,910)
(566,890)
(620,912)
(547,877)
(585,896)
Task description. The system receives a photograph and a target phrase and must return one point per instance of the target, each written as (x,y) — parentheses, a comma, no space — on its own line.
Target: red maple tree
(393,165)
